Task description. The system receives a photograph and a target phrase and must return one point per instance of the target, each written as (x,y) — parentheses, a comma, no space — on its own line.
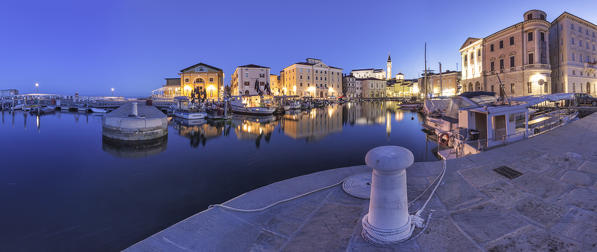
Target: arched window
(588,88)
(199,80)
(478,86)
(470,87)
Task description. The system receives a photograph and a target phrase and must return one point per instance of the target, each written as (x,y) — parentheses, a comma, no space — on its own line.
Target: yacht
(251,105)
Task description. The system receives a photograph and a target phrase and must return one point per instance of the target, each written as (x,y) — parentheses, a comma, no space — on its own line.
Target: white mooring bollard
(388,220)
(134,110)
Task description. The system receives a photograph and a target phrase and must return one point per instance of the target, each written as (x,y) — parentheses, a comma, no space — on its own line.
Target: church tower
(389,68)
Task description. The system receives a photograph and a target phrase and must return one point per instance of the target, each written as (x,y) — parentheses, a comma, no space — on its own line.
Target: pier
(548,202)
(135,122)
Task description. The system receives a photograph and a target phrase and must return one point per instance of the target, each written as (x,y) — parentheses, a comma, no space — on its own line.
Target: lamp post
(112,89)
(37,87)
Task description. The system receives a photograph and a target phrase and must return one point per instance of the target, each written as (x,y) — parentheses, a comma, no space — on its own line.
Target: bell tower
(389,68)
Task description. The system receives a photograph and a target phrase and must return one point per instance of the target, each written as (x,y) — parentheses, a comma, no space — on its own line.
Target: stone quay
(548,204)
(135,121)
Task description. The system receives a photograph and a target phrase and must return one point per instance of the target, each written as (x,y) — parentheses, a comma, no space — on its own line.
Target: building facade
(202,78)
(444,84)
(518,56)
(312,78)
(251,80)
(389,68)
(373,87)
(573,55)
(369,73)
(172,87)
(351,87)
(275,84)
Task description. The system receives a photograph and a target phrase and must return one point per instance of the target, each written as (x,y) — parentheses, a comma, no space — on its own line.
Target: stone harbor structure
(135,121)
(534,195)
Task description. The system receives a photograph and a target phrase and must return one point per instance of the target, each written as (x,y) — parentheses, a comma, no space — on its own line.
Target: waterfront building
(519,54)
(202,78)
(276,85)
(444,84)
(250,80)
(401,87)
(351,86)
(573,55)
(369,73)
(314,125)
(373,87)
(312,78)
(9,92)
(172,87)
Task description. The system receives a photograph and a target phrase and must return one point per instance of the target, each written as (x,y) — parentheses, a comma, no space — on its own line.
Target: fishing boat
(82,109)
(248,105)
(189,115)
(187,110)
(42,110)
(218,112)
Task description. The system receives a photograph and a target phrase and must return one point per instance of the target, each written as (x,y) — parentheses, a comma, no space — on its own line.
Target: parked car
(585,99)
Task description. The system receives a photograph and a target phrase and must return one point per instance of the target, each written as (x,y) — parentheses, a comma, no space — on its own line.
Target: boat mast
(425,72)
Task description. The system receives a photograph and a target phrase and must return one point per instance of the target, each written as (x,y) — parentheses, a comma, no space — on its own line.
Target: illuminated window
(529,89)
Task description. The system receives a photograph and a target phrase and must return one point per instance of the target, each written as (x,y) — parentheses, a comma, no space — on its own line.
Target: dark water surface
(62,188)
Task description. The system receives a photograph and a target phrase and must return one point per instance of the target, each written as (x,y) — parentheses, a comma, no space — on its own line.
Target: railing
(537,66)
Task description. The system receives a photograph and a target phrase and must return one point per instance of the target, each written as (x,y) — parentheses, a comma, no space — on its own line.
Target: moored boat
(247,107)
(98,110)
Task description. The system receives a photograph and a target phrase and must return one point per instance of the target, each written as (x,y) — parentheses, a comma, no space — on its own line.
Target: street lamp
(112,89)
(37,87)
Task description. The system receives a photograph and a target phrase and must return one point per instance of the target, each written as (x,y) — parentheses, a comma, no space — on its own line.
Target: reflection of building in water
(315,124)
(366,113)
(199,134)
(134,149)
(254,128)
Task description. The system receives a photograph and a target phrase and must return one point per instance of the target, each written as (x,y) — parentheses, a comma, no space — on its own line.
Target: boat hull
(190,116)
(253,110)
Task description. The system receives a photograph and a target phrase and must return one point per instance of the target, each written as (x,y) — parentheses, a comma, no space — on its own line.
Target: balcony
(537,66)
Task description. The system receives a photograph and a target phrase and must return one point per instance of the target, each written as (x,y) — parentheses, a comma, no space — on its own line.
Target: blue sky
(92,46)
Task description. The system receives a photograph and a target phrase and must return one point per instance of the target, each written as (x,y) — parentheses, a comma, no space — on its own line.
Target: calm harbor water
(62,187)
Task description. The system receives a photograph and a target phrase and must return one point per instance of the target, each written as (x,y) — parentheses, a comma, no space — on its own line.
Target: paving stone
(503,193)
(579,224)
(585,198)
(577,178)
(545,214)
(487,222)
(541,186)
(531,238)
(330,228)
(589,166)
(267,242)
(442,235)
(455,192)
(480,176)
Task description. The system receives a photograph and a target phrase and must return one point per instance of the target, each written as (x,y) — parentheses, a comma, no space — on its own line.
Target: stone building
(401,87)
(202,78)
(373,87)
(250,80)
(351,86)
(312,78)
(369,73)
(573,55)
(518,54)
(172,87)
(275,84)
(444,84)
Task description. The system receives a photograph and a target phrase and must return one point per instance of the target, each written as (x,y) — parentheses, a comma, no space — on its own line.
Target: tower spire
(389,68)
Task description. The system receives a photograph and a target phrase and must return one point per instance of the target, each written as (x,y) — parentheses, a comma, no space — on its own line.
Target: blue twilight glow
(92,46)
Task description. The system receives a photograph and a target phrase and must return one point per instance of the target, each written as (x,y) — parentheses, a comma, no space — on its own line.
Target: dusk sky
(92,46)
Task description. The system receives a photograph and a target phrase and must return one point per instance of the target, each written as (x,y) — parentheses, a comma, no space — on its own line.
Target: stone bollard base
(385,236)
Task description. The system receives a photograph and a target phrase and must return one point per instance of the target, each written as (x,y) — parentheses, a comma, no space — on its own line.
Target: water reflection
(310,125)
(124,149)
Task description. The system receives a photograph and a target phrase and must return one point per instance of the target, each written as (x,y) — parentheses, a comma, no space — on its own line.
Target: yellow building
(202,78)
(312,78)
(275,84)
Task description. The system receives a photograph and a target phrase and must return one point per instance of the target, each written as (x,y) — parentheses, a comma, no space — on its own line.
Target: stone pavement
(552,206)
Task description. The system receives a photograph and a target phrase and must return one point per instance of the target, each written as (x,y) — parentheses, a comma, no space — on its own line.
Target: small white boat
(18,107)
(98,110)
(189,115)
(240,108)
(65,108)
(82,109)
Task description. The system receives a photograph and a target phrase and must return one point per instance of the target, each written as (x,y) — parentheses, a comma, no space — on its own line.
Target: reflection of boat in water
(249,106)
(134,149)
(189,122)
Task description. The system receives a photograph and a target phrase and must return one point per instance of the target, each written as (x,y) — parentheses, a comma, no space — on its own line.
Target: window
(580,43)
(186,80)
(531,58)
(511,61)
(511,40)
(573,41)
(529,89)
(530,36)
(572,26)
(211,79)
(529,16)
(512,88)
(491,67)
(479,53)
(542,16)
(501,64)
(246,83)
(542,36)
(492,88)
(501,44)
(491,47)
